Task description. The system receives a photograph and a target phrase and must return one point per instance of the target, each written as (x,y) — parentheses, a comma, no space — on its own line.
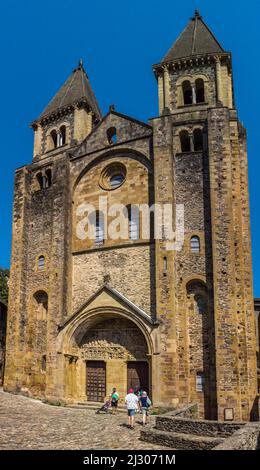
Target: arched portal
(106,350)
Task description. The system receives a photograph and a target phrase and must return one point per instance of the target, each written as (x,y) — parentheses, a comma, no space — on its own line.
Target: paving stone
(31,424)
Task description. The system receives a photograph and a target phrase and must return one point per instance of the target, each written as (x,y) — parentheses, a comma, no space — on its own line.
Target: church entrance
(138,375)
(114,353)
(96,380)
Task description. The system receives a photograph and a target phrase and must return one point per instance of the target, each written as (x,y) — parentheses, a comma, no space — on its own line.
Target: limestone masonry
(86,315)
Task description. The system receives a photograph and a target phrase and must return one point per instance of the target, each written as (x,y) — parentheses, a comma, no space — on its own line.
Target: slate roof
(76,88)
(195,39)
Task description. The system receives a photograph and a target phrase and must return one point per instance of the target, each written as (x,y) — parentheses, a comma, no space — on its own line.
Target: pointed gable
(196,39)
(76,89)
(107,297)
(126,129)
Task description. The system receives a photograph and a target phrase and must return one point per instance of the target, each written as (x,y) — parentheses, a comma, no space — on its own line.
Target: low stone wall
(197,427)
(187,411)
(246,438)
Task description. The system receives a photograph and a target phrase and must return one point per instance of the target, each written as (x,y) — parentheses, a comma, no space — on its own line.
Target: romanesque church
(90,313)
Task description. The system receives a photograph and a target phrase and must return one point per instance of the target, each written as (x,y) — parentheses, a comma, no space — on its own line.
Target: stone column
(166,87)
(161,93)
(194,100)
(218,80)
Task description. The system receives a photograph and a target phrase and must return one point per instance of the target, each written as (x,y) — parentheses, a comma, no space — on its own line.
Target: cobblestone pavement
(30,424)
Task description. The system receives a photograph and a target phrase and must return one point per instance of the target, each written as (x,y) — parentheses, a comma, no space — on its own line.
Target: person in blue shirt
(145,403)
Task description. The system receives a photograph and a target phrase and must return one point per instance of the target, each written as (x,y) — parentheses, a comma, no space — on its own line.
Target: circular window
(113,176)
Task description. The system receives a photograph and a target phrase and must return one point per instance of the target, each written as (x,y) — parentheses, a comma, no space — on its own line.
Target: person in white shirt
(132,402)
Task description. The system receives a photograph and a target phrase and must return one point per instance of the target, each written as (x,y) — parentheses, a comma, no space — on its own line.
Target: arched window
(200,91)
(40,180)
(133,218)
(185,141)
(200,304)
(99,228)
(62,136)
(111,135)
(198,140)
(195,244)
(200,382)
(43,365)
(54,138)
(48,179)
(187,92)
(41,262)
(41,301)
(165,265)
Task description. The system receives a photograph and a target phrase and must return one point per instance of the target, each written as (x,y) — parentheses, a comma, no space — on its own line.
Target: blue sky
(42,41)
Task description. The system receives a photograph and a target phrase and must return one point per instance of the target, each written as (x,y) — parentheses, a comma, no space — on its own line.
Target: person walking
(145,403)
(114,397)
(131,401)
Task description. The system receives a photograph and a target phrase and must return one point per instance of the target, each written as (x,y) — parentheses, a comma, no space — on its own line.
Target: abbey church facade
(90,313)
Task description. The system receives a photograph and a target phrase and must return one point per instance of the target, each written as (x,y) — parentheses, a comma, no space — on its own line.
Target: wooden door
(96,380)
(138,375)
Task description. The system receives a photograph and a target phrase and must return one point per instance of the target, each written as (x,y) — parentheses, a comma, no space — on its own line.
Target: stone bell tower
(41,227)
(205,303)
(69,117)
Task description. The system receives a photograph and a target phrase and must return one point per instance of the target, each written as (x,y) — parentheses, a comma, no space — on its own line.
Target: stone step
(196,427)
(179,441)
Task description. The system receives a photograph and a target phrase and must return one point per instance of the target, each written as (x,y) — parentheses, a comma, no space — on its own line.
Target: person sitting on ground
(114,397)
(131,401)
(145,403)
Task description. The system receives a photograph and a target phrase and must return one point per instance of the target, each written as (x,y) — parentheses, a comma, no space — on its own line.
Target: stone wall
(245,438)
(196,427)
(133,265)
(3,322)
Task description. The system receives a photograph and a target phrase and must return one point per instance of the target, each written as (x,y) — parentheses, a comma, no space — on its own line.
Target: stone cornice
(60,112)
(191,61)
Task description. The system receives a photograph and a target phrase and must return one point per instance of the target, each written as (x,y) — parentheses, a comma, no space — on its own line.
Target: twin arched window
(58,137)
(44,179)
(97,219)
(191,142)
(193,93)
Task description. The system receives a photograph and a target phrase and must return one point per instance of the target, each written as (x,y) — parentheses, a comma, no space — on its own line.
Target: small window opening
(198,140)
(40,180)
(187,92)
(200,92)
(185,141)
(48,178)
(62,135)
(99,228)
(200,303)
(195,244)
(200,382)
(41,262)
(54,138)
(133,220)
(111,135)
(165,266)
(43,365)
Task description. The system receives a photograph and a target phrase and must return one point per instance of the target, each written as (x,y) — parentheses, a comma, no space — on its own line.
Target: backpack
(114,397)
(149,403)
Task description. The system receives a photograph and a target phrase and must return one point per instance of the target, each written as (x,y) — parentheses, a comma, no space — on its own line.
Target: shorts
(144,410)
(114,404)
(131,412)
